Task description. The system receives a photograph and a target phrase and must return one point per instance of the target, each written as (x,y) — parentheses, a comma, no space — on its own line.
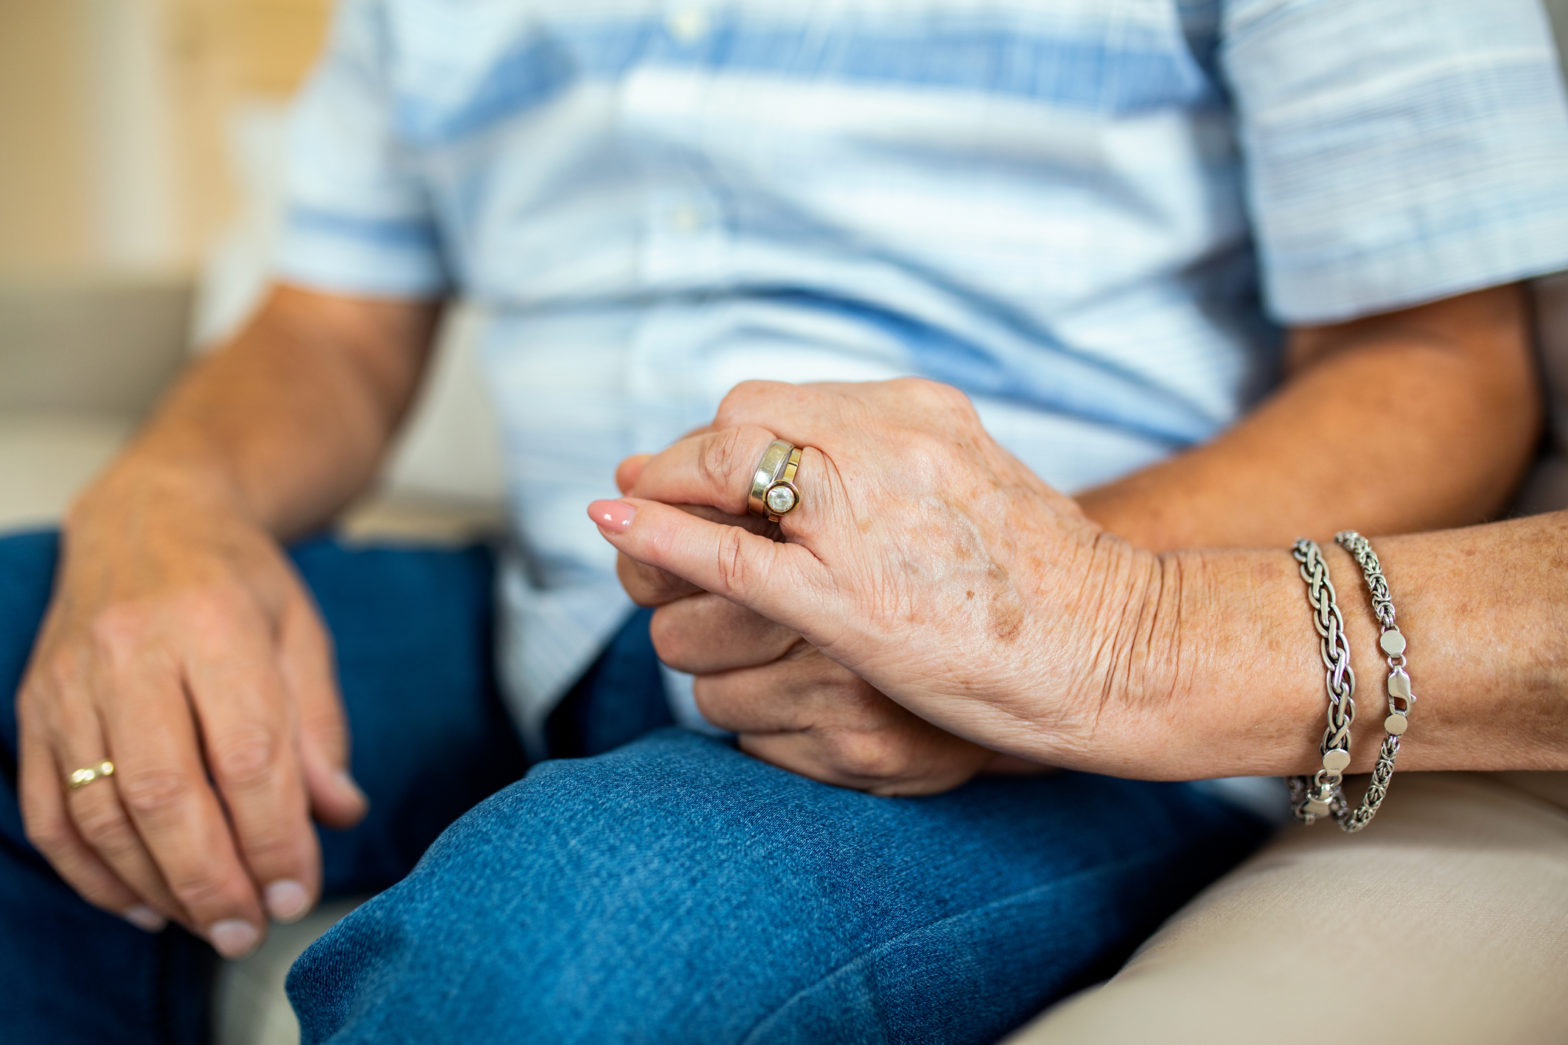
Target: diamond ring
(773,490)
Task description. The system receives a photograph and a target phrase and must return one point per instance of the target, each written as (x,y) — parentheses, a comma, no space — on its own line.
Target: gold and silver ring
(87,774)
(773,490)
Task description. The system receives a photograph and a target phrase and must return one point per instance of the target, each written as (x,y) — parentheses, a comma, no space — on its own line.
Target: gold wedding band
(83,777)
(773,491)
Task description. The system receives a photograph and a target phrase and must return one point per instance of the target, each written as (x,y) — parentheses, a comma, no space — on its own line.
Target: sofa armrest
(99,343)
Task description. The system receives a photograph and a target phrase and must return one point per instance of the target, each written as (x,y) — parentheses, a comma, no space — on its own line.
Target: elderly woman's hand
(786,702)
(926,560)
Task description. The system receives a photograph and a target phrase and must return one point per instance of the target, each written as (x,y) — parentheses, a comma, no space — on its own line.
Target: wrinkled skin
(933,602)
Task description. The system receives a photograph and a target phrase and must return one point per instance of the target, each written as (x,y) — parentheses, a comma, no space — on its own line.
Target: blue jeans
(652,886)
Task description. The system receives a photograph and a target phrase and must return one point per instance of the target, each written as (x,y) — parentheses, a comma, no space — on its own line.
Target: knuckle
(736,402)
(720,457)
(89,888)
(711,698)
(647,586)
(199,890)
(153,792)
(324,722)
(935,393)
(214,615)
(270,845)
(629,572)
(669,638)
(875,755)
(60,672)
(106,828)
(120,631)
(930,459)
(941,398)
(731,566)
(50,835)
(245,755)
(306,629)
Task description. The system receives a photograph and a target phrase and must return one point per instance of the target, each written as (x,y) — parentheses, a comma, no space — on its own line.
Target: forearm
(1399,424)
(1485,612)
(286,423)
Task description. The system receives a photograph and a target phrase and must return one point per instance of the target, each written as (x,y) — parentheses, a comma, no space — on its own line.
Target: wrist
(1122,645)
(1157,732)
(1242,692)
(139,483)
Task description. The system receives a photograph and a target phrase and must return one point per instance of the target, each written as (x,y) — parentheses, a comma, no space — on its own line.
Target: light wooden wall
(224,53)
(113,117)
(43,147)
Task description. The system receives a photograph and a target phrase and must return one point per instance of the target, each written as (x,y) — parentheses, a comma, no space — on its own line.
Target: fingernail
(233,938)
(145,918)
(615,516)
(287,900)
(346,782)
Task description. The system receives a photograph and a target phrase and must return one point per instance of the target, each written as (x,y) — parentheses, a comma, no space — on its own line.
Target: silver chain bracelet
(1400,699)
(1319,794)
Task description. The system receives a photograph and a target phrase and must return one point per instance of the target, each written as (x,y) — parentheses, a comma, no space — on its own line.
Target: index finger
(650,586)
(784,582)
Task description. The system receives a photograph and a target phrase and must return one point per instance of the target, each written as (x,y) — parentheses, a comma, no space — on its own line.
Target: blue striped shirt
(1093,216)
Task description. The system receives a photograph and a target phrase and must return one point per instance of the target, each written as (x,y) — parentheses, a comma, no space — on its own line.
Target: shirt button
(687,24)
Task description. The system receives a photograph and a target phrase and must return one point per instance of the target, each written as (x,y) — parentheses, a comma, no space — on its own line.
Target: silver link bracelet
(1400,698)
(1319,794)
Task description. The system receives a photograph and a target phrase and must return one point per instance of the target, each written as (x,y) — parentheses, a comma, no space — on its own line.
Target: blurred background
(141,147)
(120,119)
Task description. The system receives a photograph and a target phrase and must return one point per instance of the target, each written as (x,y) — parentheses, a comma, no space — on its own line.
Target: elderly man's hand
(924,559)
(786,702)
(181,646)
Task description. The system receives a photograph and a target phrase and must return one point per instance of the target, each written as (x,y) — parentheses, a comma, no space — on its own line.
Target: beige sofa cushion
(1446,921)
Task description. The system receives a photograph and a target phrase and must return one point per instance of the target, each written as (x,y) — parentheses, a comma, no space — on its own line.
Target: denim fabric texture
(663,887)
(678,891)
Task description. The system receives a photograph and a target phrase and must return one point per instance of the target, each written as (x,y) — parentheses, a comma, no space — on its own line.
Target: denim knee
(593,901)
(676,890)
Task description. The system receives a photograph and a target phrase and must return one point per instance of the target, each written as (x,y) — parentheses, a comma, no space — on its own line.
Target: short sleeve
(357,215)
(1397,152)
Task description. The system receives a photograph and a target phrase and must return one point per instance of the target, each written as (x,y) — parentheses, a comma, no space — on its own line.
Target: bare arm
(1414,420)
(1485,610)
(289,421)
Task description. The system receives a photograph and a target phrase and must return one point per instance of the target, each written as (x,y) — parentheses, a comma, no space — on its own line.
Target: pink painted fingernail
(287,900)
(613,516)
(145,919)
(234,937)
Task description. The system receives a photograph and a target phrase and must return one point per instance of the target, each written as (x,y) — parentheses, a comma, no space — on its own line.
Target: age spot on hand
(1007,616)
(1007,610)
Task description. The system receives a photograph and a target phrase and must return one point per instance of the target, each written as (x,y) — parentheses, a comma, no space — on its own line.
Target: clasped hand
(932,610)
